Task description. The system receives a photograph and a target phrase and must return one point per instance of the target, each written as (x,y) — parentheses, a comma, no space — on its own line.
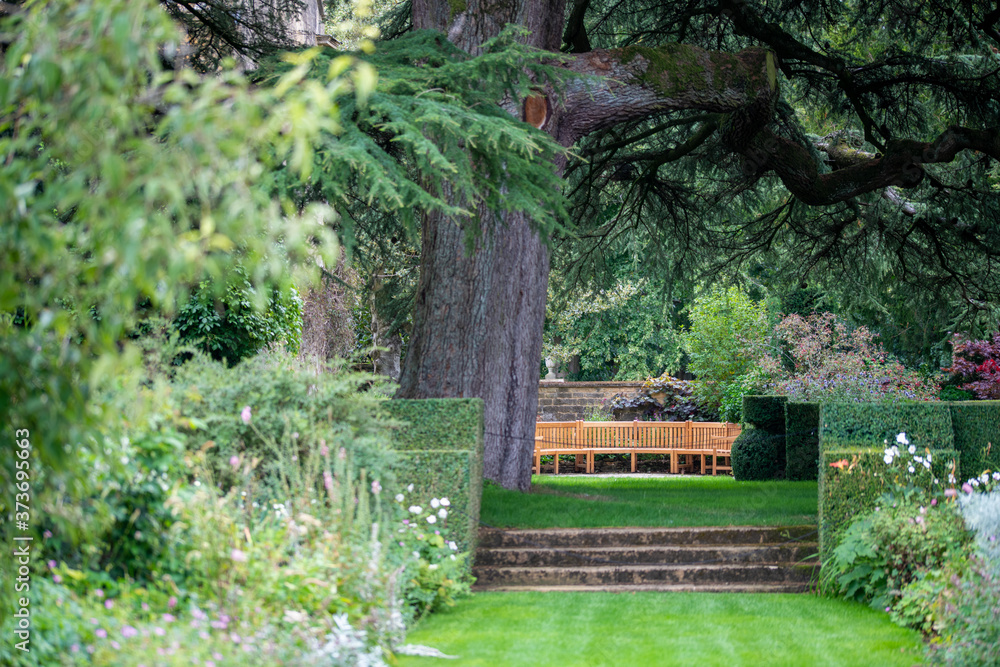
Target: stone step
(656,554)
(652,588)
(695,576)
(554,538)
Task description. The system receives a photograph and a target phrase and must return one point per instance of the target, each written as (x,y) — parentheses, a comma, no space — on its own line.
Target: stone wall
(569,401)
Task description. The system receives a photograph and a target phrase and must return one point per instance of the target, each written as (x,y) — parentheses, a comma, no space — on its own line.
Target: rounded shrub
(757,455)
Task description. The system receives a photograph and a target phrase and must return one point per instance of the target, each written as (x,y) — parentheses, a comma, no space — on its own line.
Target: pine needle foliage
(431,136)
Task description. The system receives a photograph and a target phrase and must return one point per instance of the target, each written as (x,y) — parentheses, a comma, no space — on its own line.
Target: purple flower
(172,602)
(169,618)
(108,604)
(234,460)
(47,534)
(327,480)
(245,414)
(52,564)
(967,488)
(102,633)
(56,578)
(129,631)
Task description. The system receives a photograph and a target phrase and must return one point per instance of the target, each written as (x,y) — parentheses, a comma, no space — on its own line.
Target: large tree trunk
(477,326)
(477,331)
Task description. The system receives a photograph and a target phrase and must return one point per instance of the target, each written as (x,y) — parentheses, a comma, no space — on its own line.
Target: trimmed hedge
(801,441)
(847,492)
(766,413)
(440,446)
(758,455)
(864,425)
(977,436)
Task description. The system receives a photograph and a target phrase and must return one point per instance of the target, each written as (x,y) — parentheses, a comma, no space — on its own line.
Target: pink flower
(172,602)
(327,480)
(376,487)
(245,415)
(129,631)
(47,534)
(323,449)
(159,632)
(950,493)
(108,604)
(169,618)
(99,593)
(933,502)
(238,556)
(56,578)
(102,633)
(234,460)
(145,606)
(967,488)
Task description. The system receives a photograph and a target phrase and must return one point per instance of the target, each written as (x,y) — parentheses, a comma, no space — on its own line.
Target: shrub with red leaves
(974,366)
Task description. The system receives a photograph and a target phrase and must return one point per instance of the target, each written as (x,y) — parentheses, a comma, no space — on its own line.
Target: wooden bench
(704,441)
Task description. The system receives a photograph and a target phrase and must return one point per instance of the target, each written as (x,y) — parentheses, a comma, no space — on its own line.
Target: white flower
(452,546)
(416,509)
(432,519)
(443,513)
(912,449)
(435,503)
(928,459)
(399,497)
(911,469)
(996,476)
(927,464)
(887,458)
(445,502)
(985,477)
(432,567)
(409,488)
(295,616)
(452,556)
(416,554)
(901,439)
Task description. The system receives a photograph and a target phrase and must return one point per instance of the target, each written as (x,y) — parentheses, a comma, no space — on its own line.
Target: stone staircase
(729,559)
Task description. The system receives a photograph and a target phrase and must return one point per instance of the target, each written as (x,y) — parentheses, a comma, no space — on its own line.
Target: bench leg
(590,462)
(556,459)
(633,461)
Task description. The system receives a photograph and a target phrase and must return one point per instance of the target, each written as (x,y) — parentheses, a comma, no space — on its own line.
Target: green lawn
(601,502)
(703,629)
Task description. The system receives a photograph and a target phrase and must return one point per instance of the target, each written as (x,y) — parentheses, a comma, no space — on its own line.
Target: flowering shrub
(831,362)
(663,398)
(914,554)
(974,366)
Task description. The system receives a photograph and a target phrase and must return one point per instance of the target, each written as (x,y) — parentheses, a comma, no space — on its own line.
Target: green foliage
(727,334)
(766,413)
(852,481)
(275,398)
(758,455)
(626,332)
(428,135)
(731,406)
(863,425)
(888,548)
(119,193)
(969,620)
(801,440)
(977,435)
(229,327)
(440,453)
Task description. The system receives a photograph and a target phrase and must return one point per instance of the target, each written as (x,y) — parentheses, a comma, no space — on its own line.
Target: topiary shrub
(866,425)
(801,440)
(766,413)
(977,435)
(758,455)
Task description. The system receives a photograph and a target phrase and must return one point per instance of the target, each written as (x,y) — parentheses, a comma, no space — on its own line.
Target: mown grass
(704,629)
(602,502)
